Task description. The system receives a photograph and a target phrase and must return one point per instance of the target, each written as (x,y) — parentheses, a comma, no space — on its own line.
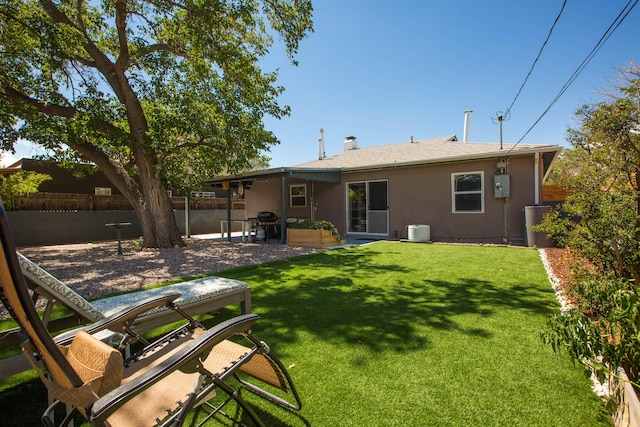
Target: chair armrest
(185,359)
(117,321)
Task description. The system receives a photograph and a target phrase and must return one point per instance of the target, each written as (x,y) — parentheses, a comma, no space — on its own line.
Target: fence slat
(554,193)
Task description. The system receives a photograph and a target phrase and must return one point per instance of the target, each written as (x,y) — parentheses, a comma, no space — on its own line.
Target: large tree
(601,217)
(600,223)
(155,93)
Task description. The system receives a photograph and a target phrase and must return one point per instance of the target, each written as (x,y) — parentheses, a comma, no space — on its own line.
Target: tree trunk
(159,227)
(149,197)
(155,213)
(153,207)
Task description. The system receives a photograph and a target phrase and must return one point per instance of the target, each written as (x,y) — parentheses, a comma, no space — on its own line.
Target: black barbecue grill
(267,226)
(266,217)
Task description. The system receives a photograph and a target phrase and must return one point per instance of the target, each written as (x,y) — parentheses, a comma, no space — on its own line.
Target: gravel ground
(94,269)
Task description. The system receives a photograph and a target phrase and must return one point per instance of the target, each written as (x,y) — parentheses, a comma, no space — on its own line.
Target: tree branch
(56,13)
(18,98)
(197,144)
(81,24)
(101,61)
(173,4)
(115,172)
(157,47)
(121,27)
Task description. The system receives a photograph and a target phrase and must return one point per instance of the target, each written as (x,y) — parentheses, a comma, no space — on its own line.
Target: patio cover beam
(320,175)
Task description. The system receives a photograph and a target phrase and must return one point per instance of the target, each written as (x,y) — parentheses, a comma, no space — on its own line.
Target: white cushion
(190,292)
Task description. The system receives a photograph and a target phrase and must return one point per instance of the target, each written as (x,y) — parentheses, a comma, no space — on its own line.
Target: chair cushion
(190,292)
(40,277)
(93,360)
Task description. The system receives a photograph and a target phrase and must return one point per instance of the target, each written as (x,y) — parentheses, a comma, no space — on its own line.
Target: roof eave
(452,159)
(302,173)
(309,173)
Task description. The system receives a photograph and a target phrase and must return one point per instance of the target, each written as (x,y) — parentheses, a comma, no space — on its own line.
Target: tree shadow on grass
(340,302)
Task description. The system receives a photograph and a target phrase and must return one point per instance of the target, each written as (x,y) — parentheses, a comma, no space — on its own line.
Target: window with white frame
(467,192)
(298,196)
(102,191)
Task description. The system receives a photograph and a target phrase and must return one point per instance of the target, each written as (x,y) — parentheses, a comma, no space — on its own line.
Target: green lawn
(413,335)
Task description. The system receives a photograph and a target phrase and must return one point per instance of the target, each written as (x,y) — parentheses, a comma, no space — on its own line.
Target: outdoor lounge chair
(198,296)
(203,295)
(158,385)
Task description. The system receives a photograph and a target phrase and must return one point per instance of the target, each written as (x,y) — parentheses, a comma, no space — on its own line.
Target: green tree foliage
(601,218)
(169,91)
(600,223)
(566,166)
(19,184)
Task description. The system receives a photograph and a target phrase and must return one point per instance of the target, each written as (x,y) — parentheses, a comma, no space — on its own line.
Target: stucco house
(464,191)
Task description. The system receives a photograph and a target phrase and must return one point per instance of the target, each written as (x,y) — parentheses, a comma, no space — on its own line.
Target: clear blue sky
(383,70)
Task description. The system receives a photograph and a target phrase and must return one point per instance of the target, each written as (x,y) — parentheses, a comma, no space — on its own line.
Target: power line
(607,34)
(508,110)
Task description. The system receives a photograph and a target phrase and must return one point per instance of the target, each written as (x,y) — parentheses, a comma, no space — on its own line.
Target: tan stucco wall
(264,195)
(418,195)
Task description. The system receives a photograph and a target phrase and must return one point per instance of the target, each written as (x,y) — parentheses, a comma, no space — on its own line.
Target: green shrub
(316,225)
(600,223)
(19,184)
(606,335)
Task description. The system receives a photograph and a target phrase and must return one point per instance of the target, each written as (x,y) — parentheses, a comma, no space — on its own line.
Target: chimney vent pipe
(350,143)
(467,124)
(321,154)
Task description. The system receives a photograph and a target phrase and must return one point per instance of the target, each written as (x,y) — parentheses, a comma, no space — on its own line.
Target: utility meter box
(501,189)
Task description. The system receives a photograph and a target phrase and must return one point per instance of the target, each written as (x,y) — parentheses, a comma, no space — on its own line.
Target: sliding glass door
(368,207)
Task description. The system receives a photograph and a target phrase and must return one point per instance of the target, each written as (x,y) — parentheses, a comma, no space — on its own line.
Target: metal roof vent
(321,154)
(350,143)
(467,125)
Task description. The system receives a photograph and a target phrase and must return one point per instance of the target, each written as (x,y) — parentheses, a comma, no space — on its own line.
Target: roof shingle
(433,150)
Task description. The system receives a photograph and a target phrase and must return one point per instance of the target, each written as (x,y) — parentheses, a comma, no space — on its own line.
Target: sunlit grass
(413,334)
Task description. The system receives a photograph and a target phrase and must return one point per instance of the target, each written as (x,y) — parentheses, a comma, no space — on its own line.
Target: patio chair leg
(48,417)
(235,395)
(188,404)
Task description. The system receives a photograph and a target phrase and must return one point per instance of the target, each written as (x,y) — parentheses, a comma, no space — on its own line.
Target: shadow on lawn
(343,301)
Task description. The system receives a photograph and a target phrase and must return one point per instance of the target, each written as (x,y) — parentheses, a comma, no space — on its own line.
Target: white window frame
(454,192)
(297,196)
(102,191)
(204,194)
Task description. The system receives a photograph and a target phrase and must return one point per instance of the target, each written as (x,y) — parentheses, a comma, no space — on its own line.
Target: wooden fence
(89,202)
(554,193)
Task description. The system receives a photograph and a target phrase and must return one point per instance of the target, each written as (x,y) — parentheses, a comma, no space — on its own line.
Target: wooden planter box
(628,413)
(311,238)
